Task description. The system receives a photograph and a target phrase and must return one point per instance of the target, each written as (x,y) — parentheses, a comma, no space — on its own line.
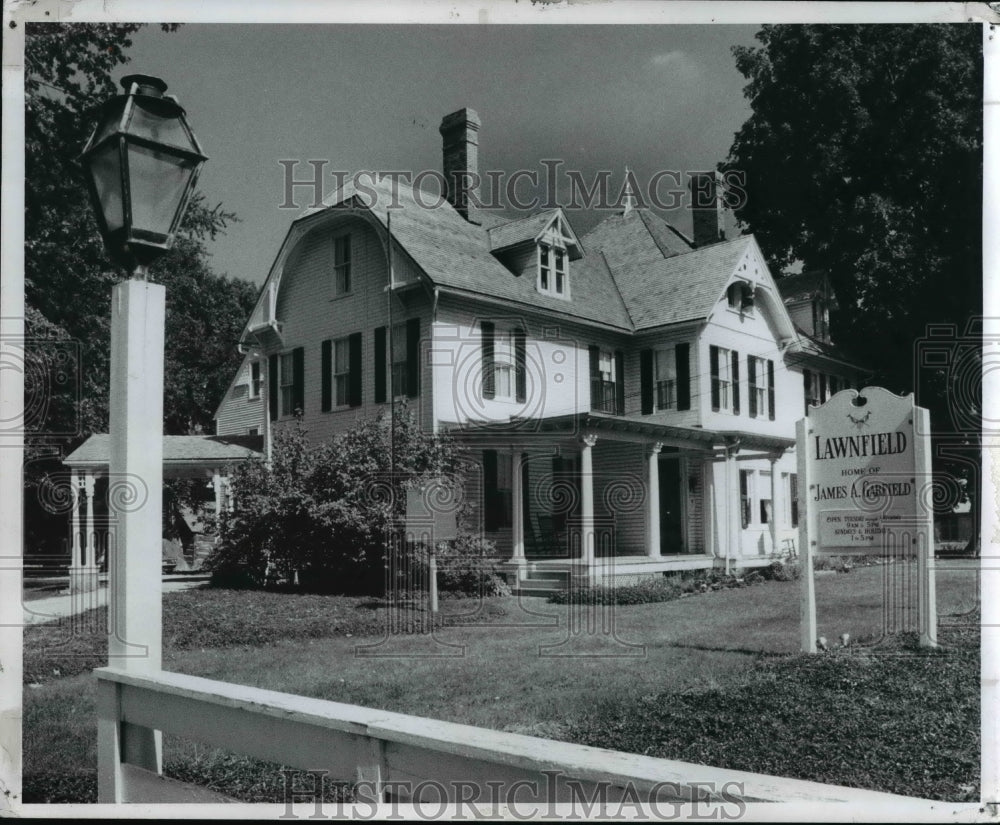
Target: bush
(781,571)
(325,514)
(645,592)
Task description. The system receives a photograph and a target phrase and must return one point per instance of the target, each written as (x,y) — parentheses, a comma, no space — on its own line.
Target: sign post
(865,467)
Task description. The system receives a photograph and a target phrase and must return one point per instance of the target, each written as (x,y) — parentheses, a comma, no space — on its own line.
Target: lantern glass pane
(145,122)
(105,168)
(157,182)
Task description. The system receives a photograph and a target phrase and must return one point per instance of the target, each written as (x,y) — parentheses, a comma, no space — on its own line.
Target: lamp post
(142,161)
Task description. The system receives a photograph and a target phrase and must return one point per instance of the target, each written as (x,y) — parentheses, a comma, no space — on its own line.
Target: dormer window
(553,269)
(341,265)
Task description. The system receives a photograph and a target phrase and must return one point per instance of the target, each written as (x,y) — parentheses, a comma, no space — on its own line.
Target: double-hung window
(604,389)
(503,365)
(553,270)
(666,379)
(723,379)
(399,361)
(341,265)
(255,382)
(341,372)
(286,384)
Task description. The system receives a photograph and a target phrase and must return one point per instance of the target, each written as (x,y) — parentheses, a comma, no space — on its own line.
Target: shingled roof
(177,449)
(638,272)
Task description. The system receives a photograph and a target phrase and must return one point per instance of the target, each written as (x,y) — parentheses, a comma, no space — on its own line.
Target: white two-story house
(630,396)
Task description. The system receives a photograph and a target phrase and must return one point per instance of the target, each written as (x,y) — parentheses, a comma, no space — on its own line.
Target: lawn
(724,656)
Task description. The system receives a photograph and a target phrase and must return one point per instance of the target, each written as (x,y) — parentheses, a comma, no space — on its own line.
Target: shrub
(325,514)
(780,571)
(645,592)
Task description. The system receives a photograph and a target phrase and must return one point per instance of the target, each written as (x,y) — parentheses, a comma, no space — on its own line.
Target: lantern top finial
(146,85)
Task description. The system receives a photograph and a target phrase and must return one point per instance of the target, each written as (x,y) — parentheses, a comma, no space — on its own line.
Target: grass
(733,648)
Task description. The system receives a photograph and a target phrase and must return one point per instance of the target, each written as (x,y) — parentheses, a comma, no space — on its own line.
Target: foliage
(68,277)
(467,566)
(900,720)
(325,513)
(863,158)
(668,588)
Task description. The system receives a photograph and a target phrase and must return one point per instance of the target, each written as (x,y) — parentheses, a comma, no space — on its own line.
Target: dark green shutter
(807,387)
(595,377)
(770,391)
(487,331)
(620,382)
(381,365)
(491,520)
(822,388)
(272,386)
(354,365)
(736,383)
(326,373)
(298,379)
(520,367)
(682,355)
(413,358)
(752,380)
(646,381)
(713,362)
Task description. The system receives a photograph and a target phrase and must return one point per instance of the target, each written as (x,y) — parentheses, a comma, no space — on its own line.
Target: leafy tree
(326,512)
(863,158)
(68,276)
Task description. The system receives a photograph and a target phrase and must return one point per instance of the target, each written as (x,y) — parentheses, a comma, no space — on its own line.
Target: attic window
(553,270)
(740,296)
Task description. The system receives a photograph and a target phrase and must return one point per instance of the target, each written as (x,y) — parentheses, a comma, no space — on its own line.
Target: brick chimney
(706,209)
(460,147)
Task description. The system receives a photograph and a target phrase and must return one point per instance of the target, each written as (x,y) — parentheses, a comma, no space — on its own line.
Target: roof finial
(630,202)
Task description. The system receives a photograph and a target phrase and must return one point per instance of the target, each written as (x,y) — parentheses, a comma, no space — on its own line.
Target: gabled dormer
(541,246)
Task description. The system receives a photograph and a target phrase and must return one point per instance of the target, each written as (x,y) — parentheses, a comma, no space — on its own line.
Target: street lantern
(142,161)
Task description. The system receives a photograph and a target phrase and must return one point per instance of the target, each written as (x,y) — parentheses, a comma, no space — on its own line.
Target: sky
(371,97)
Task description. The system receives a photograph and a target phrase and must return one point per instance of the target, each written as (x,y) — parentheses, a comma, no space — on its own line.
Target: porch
(92,490)
(601,498)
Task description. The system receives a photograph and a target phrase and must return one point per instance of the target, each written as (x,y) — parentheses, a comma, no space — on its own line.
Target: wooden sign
(864,480)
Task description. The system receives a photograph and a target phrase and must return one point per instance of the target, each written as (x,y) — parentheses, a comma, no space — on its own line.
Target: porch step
(542,582)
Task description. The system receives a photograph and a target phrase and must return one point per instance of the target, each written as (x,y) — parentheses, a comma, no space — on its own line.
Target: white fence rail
(392,752)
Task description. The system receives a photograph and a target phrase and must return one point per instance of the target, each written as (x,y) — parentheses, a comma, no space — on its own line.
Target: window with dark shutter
(520,367)
(272,386)
(752,381)
(619,382)
(298,379)
(682,354)
(491,520)
(807,383)
(326,376)
(736,383)
(380,364)
(354,366)
(488,333)
(713,364)
(770,389)
(646,380)
(413,357)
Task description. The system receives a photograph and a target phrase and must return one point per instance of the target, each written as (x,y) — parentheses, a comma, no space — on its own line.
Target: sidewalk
(55,608)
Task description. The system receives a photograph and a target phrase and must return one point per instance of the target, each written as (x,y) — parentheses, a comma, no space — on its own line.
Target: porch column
(517,514)
(733,504)
(88,483)
(587,539)
(653,501)
(217,487)
(75,562)
(773,523)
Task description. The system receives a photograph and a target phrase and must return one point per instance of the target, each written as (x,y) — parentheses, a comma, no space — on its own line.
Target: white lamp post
(142,162)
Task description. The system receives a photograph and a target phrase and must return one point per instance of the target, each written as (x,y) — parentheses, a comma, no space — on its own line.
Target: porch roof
(180,452)
(628,427)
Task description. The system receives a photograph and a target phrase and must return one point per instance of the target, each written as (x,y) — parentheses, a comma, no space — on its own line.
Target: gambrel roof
(638,271)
